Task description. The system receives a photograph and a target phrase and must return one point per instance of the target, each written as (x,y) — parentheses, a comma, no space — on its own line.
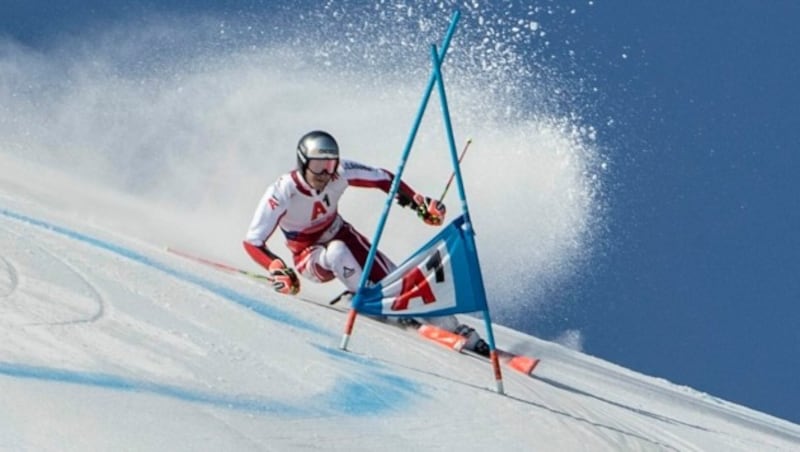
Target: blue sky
(696,107)
(701,284)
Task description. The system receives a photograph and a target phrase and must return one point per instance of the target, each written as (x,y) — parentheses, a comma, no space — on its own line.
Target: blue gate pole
(396,184)
(477,278)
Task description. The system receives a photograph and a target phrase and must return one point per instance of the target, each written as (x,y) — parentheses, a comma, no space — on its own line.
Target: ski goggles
(322,166)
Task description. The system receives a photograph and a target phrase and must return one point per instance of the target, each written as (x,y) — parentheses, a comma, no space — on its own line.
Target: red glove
(430,210)
(284,280)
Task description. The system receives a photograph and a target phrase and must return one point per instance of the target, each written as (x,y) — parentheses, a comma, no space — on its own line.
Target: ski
(519,363)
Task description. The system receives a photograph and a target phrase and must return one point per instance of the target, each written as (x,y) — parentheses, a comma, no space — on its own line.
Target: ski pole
(219,265)
(453,174)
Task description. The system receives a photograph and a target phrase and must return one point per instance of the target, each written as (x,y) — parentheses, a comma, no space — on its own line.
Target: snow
(108,342)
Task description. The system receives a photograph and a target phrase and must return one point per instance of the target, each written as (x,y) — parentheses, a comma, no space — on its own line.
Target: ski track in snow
(10,279)
(91,306)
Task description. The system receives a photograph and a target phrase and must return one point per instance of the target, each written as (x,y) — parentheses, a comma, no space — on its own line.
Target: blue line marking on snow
(251,303)
(108,381)
(352,395)
(358,394)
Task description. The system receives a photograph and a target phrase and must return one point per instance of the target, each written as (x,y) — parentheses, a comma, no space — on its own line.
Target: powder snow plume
(175,123)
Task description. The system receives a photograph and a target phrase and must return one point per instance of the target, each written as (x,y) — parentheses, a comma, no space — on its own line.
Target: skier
(304,204)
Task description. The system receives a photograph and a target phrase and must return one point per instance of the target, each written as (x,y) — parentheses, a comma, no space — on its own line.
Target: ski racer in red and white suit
(322,243)
(304,205)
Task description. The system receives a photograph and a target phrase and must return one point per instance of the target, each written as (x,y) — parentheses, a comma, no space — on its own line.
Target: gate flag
(444,276)
(441,278)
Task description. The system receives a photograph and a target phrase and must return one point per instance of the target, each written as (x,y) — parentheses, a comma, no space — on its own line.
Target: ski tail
(522,363)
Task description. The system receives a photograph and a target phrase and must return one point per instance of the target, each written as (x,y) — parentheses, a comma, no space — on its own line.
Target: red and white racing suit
(323,245)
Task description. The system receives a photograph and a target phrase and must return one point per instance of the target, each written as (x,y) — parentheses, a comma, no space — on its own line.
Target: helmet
(316,145)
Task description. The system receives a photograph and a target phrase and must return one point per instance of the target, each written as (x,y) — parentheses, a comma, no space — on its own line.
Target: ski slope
(110,343)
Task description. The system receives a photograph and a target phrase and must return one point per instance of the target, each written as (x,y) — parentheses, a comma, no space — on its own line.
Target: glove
(405,201)
(283,279)
(430,210)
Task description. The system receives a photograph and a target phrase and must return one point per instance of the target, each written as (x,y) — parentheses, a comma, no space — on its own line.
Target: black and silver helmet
(316,145)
